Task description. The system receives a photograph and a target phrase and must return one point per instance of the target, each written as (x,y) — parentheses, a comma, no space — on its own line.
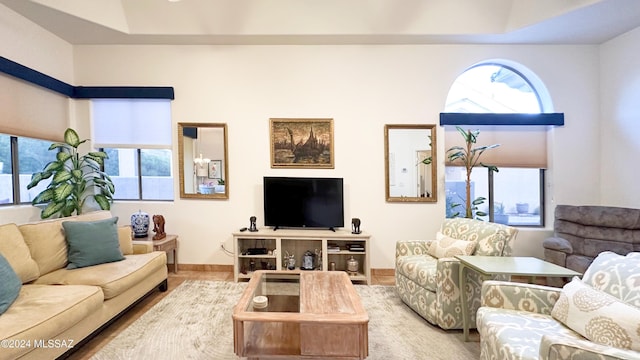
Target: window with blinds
(515,194)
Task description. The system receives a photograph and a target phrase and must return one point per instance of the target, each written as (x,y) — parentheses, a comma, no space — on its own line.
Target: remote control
(243,229)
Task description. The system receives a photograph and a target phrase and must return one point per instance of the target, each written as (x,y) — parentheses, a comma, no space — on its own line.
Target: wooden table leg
(175,258)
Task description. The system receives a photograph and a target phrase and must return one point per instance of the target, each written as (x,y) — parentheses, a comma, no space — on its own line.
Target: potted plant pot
(522,208)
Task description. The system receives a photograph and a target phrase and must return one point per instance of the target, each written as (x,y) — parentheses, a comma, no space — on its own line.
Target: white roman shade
(32,111)
(131,123)
(520,146)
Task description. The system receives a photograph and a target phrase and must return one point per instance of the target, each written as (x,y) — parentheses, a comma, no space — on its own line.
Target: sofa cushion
(492,239)
(16,251)
(445,246)
(616,275)
(44,311)
(114,278)
(516,334)
(598,316)
(124,237)
(92,242)
(9,285)
(420,269)
(46,240)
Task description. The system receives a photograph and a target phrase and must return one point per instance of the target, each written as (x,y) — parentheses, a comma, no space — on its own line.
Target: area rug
(194,322)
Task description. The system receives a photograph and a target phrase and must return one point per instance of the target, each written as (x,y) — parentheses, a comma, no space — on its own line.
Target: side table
(503,265)
(169,243)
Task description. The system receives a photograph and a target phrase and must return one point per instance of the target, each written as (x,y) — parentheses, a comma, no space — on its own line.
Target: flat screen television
(298,202)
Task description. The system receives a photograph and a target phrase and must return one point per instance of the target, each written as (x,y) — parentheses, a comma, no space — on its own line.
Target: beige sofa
(58,308)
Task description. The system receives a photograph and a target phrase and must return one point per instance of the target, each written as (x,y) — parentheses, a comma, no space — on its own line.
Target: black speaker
(355,226)
(252,224)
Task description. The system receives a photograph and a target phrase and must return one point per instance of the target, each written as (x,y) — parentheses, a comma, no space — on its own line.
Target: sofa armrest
(412,247)
(519,296)
(558,244)
(142,247)
(554,347)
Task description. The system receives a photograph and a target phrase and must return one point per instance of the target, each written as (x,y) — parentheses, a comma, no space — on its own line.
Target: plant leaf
(102,201)
(93,163)
(51,209)
(71,137)
(77,174)
(44,197)
(62,192)
(58,145)
(63,156)
(35,179)
(60,177)
(98,154)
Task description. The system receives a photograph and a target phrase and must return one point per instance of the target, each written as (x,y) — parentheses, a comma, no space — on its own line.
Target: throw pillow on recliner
(445,246)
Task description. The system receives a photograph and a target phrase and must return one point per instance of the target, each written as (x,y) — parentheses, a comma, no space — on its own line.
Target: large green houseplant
(469,157)
(76,178)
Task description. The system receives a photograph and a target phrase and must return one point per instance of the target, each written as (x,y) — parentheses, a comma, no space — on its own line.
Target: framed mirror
(408,176)
(203,160)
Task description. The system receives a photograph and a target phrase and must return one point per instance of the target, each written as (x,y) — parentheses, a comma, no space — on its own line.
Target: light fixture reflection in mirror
(203,160)
(408,177)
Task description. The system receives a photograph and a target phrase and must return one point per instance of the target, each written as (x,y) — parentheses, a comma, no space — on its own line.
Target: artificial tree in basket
(76,178)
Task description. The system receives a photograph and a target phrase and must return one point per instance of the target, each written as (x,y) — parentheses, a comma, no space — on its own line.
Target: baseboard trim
(383,272)
(205,267)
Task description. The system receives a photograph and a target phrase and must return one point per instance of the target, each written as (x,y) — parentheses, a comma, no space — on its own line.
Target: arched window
(495,93)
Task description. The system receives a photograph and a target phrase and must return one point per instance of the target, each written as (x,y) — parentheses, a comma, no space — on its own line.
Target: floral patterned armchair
(593,318)
(427,272)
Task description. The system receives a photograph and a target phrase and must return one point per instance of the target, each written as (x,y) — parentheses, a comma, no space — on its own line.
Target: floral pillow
(445,246)
(598,316)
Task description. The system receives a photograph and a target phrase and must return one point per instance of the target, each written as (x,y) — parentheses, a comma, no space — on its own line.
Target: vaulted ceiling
(332,21)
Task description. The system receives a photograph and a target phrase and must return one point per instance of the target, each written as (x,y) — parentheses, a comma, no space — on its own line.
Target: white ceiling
(332,21)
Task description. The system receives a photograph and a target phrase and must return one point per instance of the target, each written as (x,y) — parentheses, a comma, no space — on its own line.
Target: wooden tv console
(280,242)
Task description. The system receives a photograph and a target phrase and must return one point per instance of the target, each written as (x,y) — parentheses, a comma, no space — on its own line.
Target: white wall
(361,88)
(30,45)
(620,124)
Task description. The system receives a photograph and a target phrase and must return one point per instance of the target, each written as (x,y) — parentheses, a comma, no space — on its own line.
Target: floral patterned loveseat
(594,318)
(427,273)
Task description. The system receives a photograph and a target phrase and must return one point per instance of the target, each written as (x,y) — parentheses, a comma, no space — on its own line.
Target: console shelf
(280,242)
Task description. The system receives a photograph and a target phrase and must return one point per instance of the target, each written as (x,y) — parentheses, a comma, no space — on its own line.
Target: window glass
(33,156)
(157,181)
(492,89)
(517,196)
(6,180)
(122,168)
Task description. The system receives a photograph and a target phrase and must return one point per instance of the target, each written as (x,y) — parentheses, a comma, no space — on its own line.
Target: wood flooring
(104,337)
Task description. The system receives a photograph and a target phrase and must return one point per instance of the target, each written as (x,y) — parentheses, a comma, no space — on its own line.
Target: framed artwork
(302,143)
(215,167)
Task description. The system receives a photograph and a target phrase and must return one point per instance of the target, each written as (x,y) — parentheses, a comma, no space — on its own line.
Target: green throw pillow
(10,285)
(92,242)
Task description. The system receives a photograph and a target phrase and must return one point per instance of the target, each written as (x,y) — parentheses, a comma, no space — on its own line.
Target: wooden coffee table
(313,314)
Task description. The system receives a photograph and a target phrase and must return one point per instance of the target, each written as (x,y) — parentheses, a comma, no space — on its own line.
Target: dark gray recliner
(583,232)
